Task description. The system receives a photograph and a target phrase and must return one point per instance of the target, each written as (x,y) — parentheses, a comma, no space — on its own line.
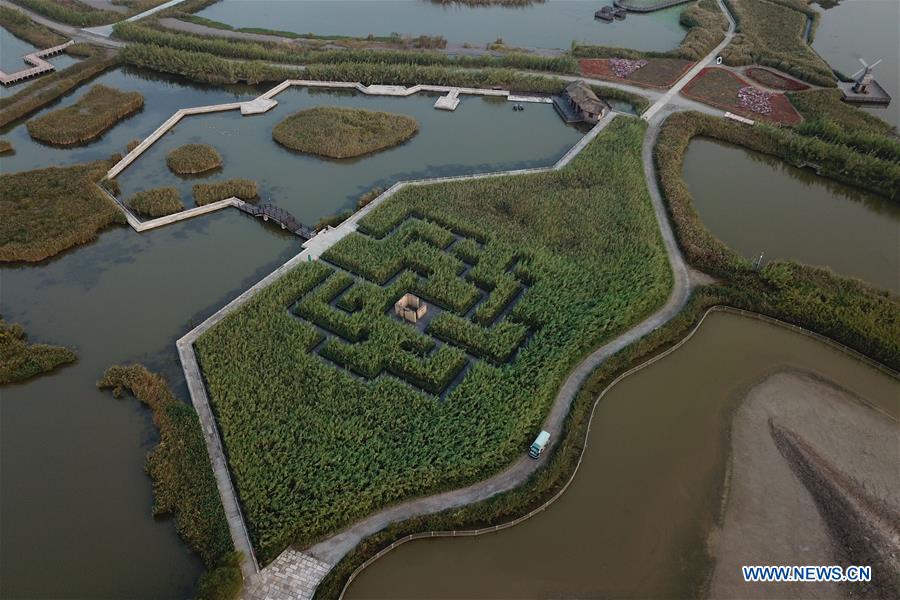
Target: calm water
(866,29)
(553,24)
(12,49)
(448,143)
(73,491)
(634,521)
(756,203)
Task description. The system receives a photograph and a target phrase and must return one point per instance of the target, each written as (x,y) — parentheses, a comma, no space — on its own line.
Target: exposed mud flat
(815,481)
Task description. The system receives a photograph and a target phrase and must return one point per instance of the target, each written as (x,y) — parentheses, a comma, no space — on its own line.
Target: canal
(635,520)
(73,491)
(756,203)
(551,24)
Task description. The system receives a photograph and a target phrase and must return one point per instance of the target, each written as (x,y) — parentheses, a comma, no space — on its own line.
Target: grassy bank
(191,159)
(157,202)
(294,54)
(183,481)
(207,193)
(20,360)
(50,87)
(46,211)
(22,27)
(337,132)
(71,12)
(87,119)
(5,147)
(771,34)
(559,231)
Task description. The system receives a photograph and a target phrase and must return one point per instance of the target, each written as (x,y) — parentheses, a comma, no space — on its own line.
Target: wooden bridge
(650,7)
(280,216)
(39,65)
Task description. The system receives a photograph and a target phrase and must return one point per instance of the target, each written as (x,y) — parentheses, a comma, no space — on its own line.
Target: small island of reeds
(192,159)
(86,120)
(343,132)
(20,360)
(157,202)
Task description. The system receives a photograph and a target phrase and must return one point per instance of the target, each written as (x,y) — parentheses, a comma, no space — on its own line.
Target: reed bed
(206,193)
(20,361)
(157,202)
(192,159)
(88,118)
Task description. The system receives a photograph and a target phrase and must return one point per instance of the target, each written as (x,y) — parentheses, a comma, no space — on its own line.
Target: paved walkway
(79,35)
(673,91)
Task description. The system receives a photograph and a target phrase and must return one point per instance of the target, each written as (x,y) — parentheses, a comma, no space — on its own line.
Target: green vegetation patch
(191,159)
(95,112)
(772,34)
(826,105)
(46,211)
(157,202)
(22,27)
(20,360)
(48,88)
(305,436)
(70,12)
(338,132)
(183,481)
(206,193)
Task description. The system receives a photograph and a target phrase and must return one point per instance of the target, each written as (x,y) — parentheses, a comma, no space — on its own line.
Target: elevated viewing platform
(642,8)
(874,95)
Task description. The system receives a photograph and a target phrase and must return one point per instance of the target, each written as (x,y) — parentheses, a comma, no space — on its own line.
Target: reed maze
(470,289)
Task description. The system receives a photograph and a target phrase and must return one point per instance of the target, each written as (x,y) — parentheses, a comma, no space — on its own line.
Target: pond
(635,520)
(551,24)
(12,49)
(72,457)
(759,204)
(864,29)
(481,135)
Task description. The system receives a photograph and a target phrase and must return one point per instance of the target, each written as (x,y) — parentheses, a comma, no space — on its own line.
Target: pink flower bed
(623,67)
(755,99)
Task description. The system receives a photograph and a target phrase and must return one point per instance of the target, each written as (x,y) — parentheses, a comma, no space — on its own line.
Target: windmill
(864,76)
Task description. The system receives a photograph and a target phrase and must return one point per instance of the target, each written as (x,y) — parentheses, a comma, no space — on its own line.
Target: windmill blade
(856,74)
(874,64)
(864,63)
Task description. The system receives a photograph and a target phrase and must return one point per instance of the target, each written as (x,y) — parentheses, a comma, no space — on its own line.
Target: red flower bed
(726,90)
(650,72)
(774,80)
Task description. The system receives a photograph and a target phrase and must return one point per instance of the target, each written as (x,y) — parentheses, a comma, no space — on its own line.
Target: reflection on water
(552,24)
(756,203)
(635,520)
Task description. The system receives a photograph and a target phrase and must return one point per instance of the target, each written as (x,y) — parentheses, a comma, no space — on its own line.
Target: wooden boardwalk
(270,212)
(649,8)
(39,65)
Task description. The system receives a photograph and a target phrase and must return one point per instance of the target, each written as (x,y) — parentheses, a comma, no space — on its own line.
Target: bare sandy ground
(776,516)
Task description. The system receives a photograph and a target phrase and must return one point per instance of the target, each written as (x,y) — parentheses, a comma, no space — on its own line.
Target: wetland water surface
(552,24)
(481,135)
(757,203)
(12,50)
(634,522)
(73,491)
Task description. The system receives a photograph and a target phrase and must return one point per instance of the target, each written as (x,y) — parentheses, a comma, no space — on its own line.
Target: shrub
(95,112)
(193,158)
(338,132)
(157,202)
(206,193)
(183,480)
(20,361)
(46,211)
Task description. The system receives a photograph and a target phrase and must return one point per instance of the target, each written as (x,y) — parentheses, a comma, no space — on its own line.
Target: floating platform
(258,106)
(448,102)
(876,95)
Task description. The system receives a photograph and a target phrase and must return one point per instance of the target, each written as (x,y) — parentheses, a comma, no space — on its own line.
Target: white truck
(540,442)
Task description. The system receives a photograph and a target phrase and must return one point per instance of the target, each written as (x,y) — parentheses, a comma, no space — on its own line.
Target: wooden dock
(650,8)
(39,66)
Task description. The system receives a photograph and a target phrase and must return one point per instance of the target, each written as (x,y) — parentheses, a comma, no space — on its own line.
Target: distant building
(410,308)
(579,104)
